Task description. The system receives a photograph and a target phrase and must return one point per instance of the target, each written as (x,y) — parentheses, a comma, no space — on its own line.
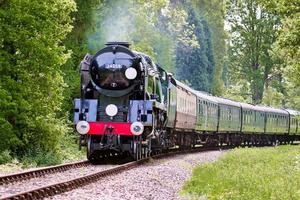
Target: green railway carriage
(294,122)
(253,118)
(229,115)
(277,121)
(207,113)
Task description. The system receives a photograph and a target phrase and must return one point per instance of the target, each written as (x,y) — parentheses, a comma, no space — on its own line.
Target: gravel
(158,179)
(22,186)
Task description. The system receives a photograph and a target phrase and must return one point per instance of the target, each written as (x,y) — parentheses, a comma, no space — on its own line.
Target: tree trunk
(257,90)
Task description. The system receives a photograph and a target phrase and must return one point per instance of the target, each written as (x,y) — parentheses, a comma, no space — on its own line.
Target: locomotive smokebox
(114,70)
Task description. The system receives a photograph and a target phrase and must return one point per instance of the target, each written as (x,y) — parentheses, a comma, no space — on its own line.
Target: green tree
(253,31)
(196,64)
(77,43)
(31,81)
(287,45)
(213,11)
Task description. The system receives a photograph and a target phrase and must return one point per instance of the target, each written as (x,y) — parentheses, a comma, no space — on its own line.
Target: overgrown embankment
(256,173)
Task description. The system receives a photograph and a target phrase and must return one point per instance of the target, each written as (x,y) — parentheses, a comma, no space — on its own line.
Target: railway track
(64,186)
(15,177)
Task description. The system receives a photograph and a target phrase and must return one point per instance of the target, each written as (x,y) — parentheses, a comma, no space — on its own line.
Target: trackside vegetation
(256,174)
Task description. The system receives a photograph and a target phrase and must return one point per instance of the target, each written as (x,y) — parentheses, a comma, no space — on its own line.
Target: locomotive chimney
(125,44)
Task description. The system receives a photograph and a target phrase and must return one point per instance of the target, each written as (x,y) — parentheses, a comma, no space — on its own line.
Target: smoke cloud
(113,22)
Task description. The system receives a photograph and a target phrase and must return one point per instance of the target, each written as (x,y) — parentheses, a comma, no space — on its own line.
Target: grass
(68,152)
(250,174)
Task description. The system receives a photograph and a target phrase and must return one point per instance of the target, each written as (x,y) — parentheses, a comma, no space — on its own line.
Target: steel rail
(15,177)
(61,187)
(51,190)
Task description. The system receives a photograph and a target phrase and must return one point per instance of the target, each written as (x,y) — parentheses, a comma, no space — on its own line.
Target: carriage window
(248,117)
(200,108)
(181,105)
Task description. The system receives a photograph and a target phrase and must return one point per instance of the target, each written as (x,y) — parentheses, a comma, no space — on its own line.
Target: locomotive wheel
(146,149)
(145,152)
(90,150)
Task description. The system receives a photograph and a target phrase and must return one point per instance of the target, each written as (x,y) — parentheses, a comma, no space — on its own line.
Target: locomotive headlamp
(111,110)
(137,128)
(130,73)
(82,127)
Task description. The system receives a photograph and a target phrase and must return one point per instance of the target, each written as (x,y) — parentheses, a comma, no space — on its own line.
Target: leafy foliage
(213,11)
(196,64)
(77,43)
(5,157)
(264,52)
(253,31)
(287,45)
(31,81)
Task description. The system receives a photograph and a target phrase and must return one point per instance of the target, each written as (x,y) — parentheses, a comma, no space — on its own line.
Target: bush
(41,159)
(66,152)
(70,149)
(5,157)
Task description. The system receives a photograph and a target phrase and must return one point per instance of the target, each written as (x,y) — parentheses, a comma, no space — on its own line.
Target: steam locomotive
(131,106)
